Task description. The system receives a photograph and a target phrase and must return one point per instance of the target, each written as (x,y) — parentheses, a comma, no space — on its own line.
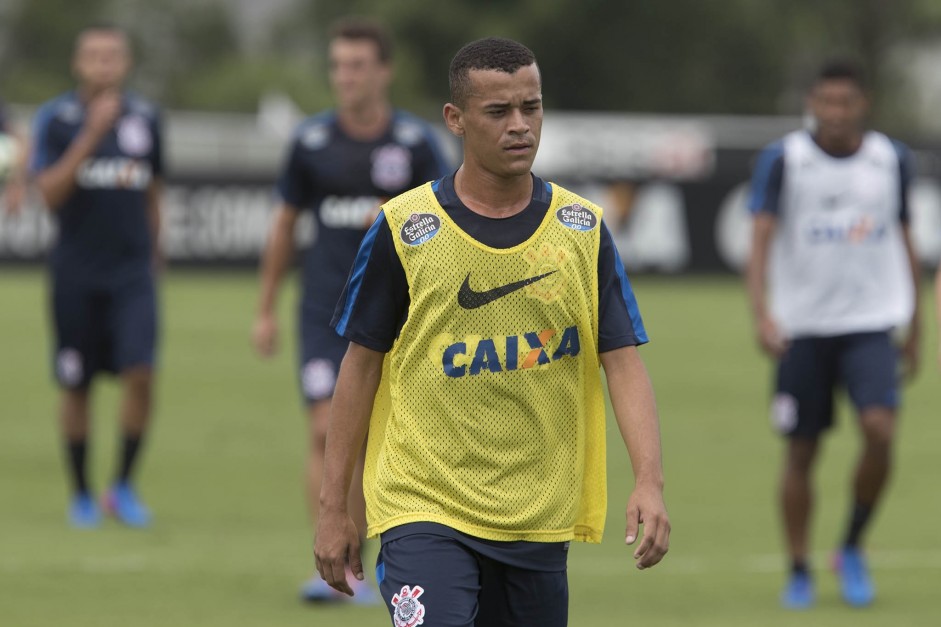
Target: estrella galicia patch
(419,228)
(577,217)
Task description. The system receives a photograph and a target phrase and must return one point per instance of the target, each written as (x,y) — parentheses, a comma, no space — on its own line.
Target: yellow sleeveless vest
(490,416)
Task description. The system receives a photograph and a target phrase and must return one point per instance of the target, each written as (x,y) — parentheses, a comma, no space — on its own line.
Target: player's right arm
(56,181)
(765,191)
(937,298)
(337,539)
(275,261)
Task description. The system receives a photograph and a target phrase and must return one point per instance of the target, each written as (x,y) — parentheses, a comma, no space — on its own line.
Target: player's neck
(839,145)
(492,196)
(367,121)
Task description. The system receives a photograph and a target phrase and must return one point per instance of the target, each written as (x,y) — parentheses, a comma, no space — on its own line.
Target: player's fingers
(645,543)
(336,576)
(356,561)
(633,523)
(660,543)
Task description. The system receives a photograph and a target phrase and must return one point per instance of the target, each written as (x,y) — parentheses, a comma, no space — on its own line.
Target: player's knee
(878,427)
(801,454)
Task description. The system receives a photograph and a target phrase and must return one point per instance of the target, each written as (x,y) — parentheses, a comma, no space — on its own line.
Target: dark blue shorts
(864,364)
(448,579)
(321,352)
(102,329)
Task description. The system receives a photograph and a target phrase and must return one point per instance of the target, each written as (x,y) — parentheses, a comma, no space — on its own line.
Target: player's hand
(336,545)
(265,335)
(645,507)
(13,195)
(911,355)
(103,111)
(770,338)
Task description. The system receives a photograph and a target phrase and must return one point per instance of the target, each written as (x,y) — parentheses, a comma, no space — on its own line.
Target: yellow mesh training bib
(490,417)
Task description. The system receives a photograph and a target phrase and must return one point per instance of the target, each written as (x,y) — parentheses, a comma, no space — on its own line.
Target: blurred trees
(734,56)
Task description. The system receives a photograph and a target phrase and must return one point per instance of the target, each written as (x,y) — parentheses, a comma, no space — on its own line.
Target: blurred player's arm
(275,261)
(57,182)
(937,301)
(636,413)
(14,190)
(911,346)
(337,540)
(756,272)
(154,194)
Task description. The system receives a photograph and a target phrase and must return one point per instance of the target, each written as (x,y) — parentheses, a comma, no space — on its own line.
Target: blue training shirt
(343,181)
(374,320)
(104,231)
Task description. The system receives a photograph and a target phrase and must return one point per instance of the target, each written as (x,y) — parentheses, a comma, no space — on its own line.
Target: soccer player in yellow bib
(480,310)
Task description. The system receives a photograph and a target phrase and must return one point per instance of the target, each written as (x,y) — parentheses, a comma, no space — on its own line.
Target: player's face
(102,59)
(501,122)
(839,107)
(357,74)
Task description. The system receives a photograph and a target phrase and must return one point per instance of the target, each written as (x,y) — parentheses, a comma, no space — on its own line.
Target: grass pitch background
(223,474)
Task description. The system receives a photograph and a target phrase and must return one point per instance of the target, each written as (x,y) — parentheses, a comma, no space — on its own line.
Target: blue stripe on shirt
(358,272)
(766,179)
(40,158)
(906,178)
(627,293)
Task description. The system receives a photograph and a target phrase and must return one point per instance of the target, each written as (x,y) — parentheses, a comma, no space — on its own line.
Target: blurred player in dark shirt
(98,164)
(341,165)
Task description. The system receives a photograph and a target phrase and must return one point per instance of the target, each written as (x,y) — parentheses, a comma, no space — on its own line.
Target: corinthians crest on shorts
(408,609)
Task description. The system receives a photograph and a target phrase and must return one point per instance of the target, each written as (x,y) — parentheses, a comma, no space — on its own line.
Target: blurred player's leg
(74,419)
(872,472)
(315,589)
(796,507)
(122,500)
(134,326)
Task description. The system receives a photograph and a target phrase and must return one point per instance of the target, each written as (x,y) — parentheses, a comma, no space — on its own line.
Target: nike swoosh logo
(470,299)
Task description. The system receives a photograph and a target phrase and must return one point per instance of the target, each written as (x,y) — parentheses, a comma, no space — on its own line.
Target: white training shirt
(838,263)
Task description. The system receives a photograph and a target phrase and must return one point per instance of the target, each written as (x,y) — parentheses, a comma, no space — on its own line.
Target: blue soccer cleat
(856,585)
(84,512)
(799,593)
(316,590)
(121,502)
(363,593)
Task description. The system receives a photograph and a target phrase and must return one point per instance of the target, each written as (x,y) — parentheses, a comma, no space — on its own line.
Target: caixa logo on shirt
(419,228)
(349,212)
(474,356)
(853,229)
(114,173)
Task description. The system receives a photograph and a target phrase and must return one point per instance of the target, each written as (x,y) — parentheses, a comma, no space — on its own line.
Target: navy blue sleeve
(374,302)
(619,321)
(432,164)
(766,180)
(156,130)
(46,150)
(906,178)
(294,184)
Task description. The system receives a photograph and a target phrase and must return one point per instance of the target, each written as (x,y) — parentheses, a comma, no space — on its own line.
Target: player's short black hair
(842,69)
(103,27)
(492,53)
(354,27)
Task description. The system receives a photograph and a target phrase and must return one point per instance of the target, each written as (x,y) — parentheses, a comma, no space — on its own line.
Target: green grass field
(223,474)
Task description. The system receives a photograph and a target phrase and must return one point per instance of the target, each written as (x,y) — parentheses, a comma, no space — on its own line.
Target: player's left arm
(635,410)
(937,300)
(911,345)
(155,192)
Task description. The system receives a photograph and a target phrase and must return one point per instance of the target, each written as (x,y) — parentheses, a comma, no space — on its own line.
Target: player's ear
(454,119)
